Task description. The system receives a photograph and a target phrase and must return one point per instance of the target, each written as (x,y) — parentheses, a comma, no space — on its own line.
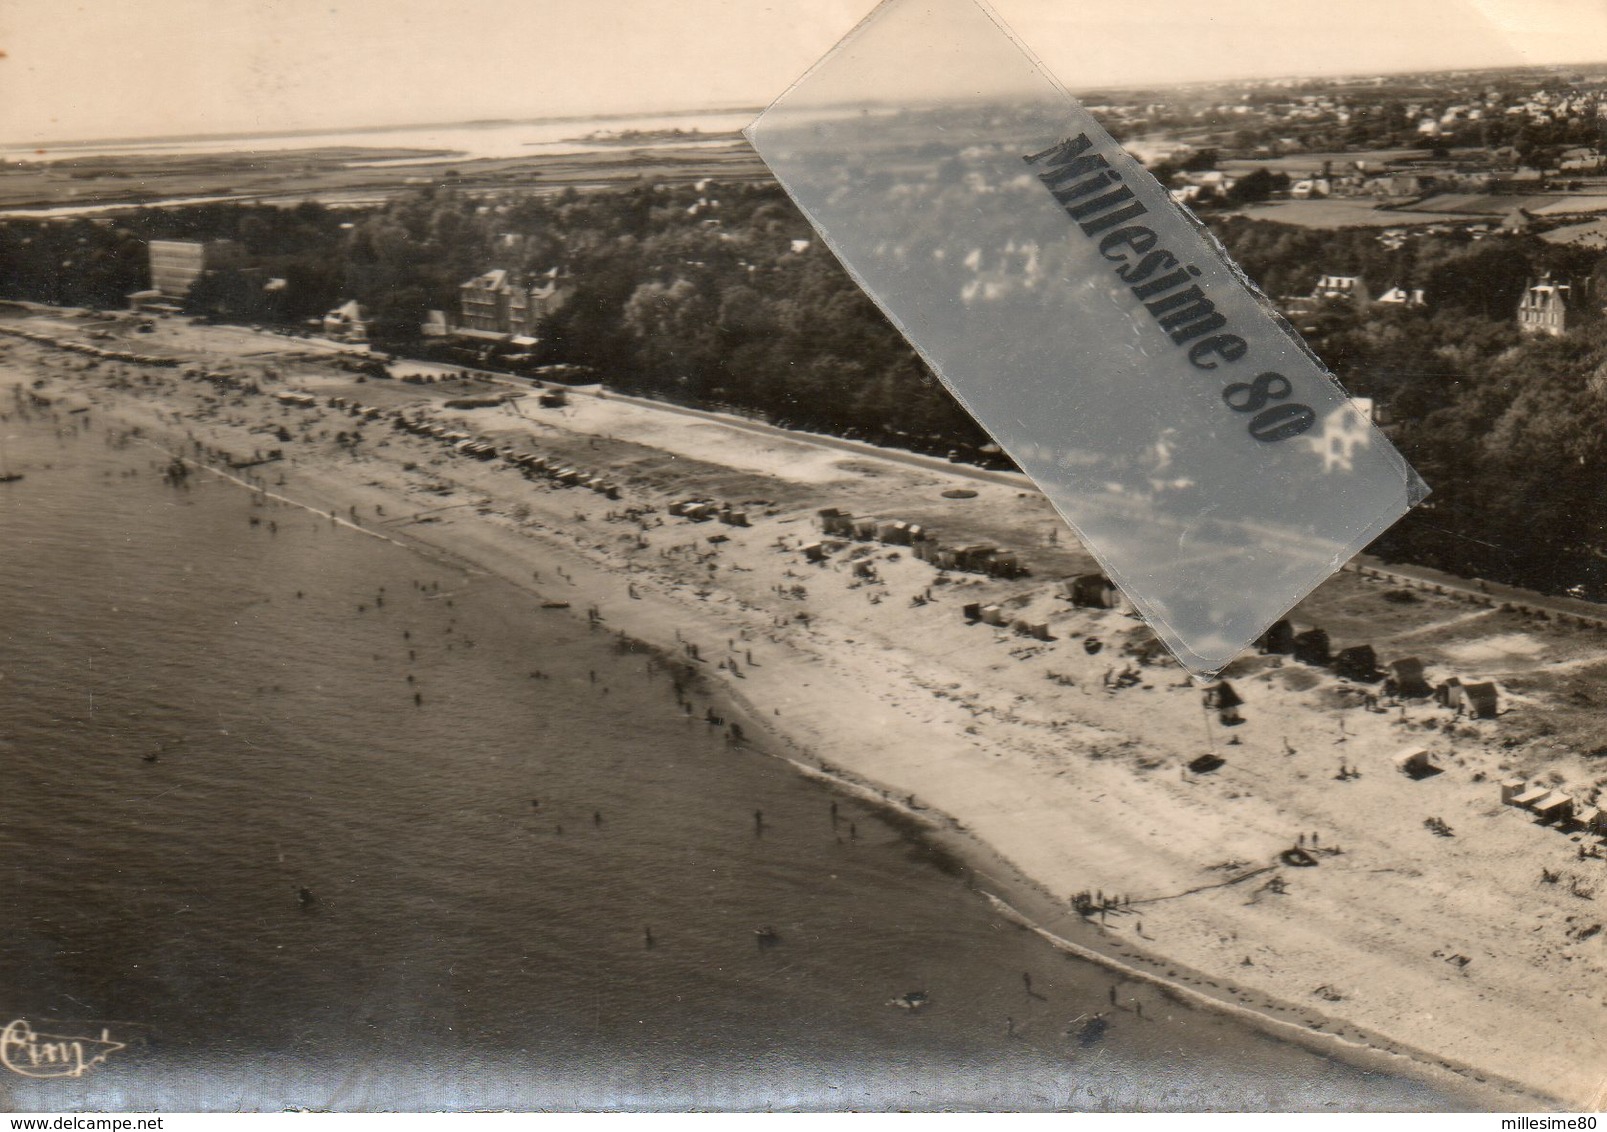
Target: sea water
(301,816)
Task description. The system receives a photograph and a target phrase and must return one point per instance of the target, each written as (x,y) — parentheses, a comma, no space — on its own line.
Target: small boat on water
(914,1000)
(10,477)
(555,605)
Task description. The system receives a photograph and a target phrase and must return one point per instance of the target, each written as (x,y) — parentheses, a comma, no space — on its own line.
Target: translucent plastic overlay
(1200,451)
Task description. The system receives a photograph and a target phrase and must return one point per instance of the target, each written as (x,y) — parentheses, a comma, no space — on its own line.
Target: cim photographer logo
(31,1053)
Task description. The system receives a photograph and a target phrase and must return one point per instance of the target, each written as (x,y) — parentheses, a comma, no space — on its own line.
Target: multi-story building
(484,303)
(499,304)
(177,264)
(1342,289)
(1544,308)
(347,322)
(1350,289)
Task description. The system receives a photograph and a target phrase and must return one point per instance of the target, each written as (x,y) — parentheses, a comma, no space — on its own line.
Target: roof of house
(490,281)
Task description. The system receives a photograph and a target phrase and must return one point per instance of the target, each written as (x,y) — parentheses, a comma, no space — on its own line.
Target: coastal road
(758,428)
(1426,577)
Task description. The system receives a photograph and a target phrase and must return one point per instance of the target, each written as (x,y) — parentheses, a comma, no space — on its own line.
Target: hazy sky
(124,68)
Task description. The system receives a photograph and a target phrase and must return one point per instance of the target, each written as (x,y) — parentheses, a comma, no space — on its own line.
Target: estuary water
(303,817)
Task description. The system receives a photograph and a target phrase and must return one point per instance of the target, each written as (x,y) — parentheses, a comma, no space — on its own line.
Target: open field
(1303,164)
(1346,212)
(1339,212)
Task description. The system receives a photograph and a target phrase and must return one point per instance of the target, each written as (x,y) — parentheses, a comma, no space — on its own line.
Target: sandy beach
(1473,947)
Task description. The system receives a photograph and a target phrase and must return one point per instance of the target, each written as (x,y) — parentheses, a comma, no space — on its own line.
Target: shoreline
(877,768)
(1318,1032)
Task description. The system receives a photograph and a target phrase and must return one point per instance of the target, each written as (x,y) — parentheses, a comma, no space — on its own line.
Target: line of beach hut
(1403,678)
(1089,591)
(1085,591)
(974,558)
(237,382)
(531,464)
(977,613)
(356,408)
(702,510)
(1553,807)
(102,352)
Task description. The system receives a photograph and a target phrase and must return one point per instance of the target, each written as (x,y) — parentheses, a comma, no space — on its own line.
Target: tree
(1256,186)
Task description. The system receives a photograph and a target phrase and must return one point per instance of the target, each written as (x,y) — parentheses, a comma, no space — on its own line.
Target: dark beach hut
(1407,673)
(1311,647)
(1225,701)
(1005,564)
(835,522)
(1093,591)
(1280,638)
(976,557)
(1142,643)
(1359,662)
(1481,700)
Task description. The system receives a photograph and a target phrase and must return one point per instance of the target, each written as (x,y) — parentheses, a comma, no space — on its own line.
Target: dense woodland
(710,298)
(1509,431)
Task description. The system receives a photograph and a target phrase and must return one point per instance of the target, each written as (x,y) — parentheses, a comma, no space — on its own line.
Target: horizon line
(370,128)
(756,109)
